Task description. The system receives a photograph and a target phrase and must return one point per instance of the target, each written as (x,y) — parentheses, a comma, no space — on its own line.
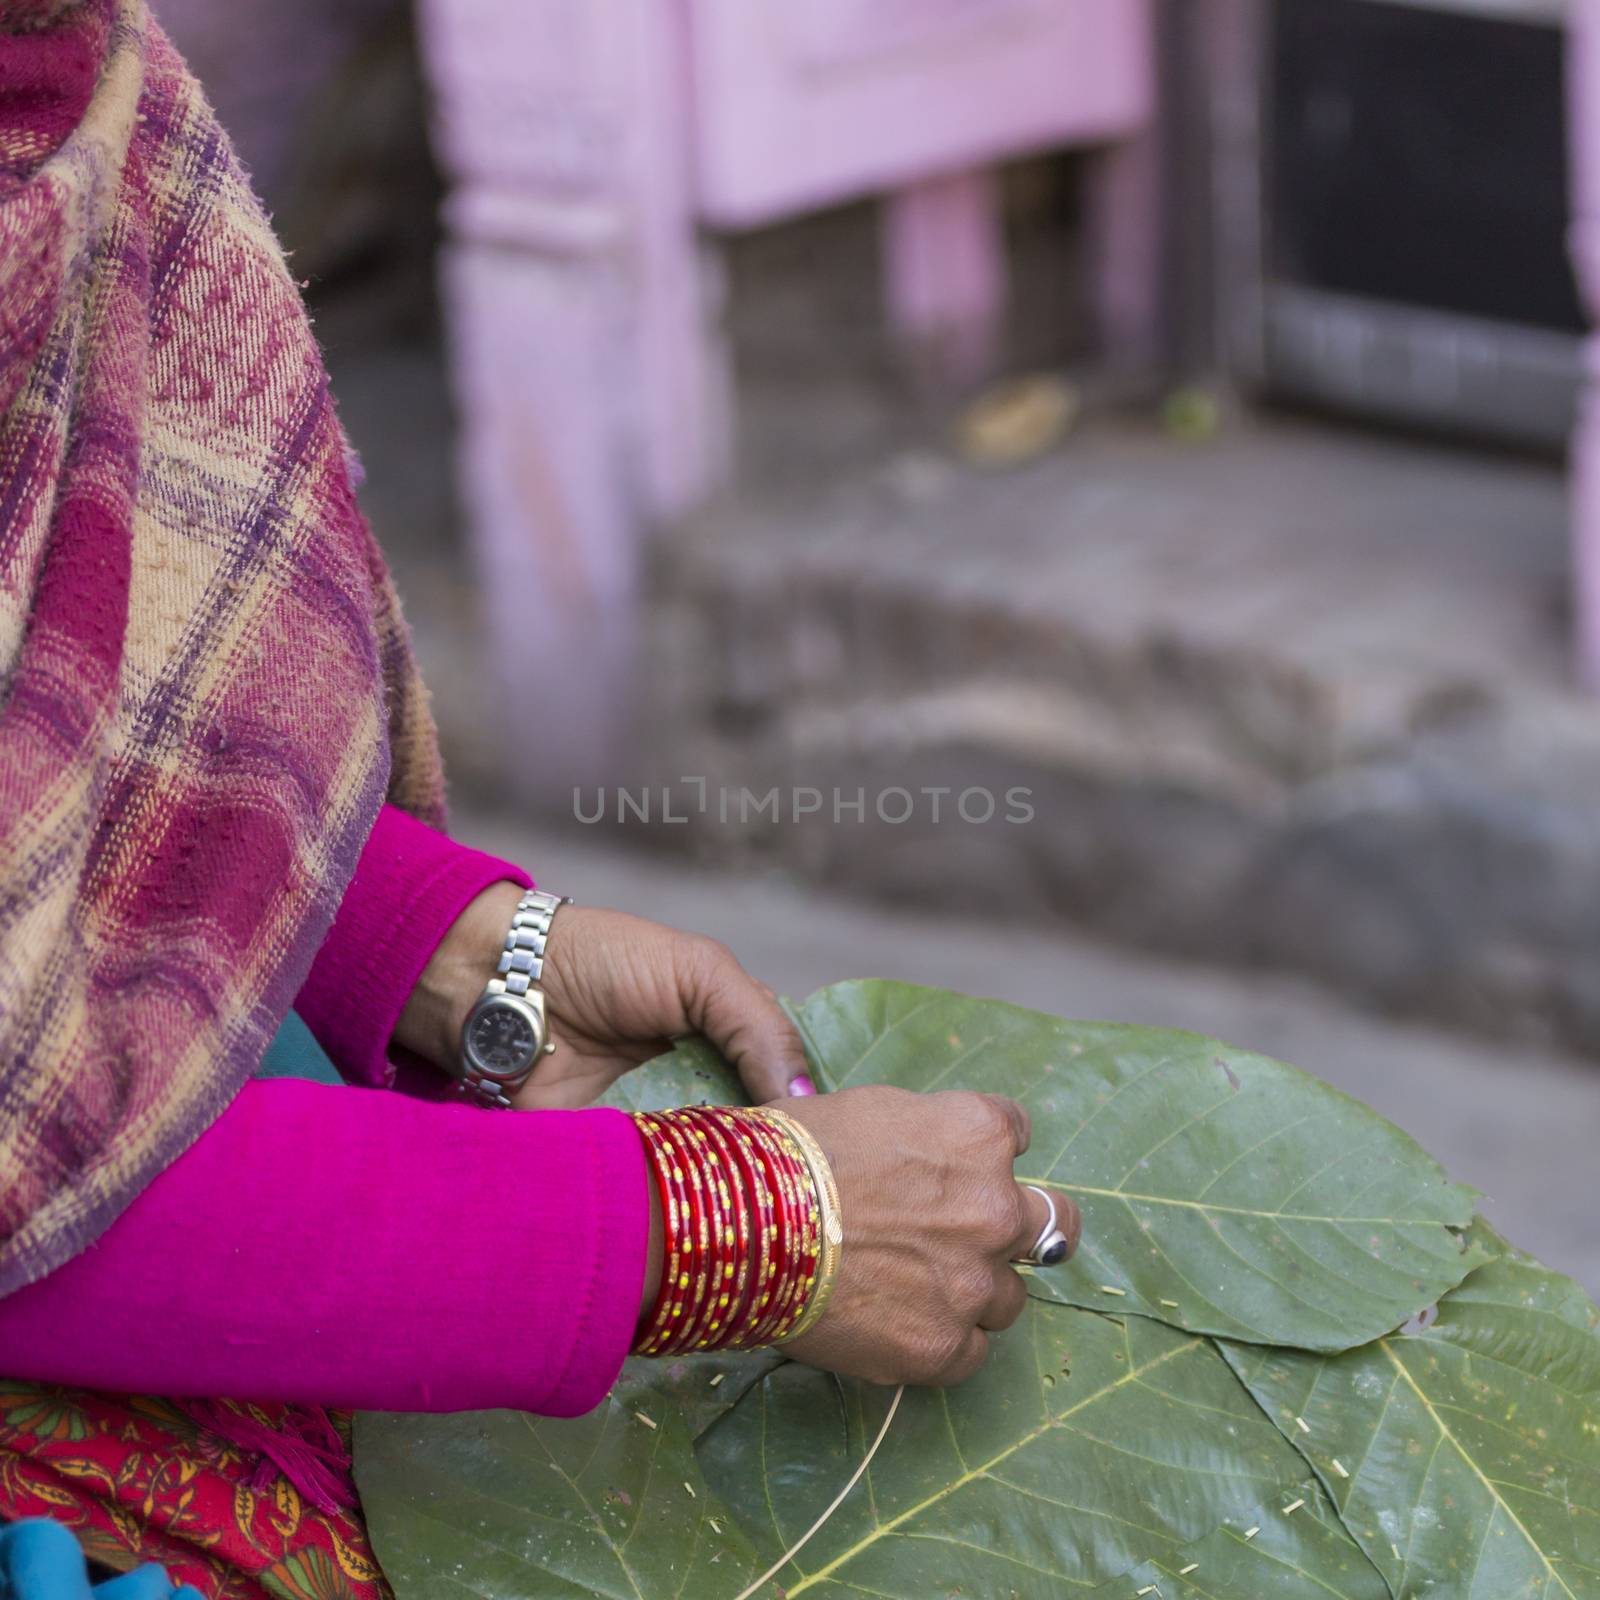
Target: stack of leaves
(1287,1362)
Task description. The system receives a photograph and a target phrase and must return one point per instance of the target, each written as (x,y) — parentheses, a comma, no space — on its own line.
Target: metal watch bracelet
(522,960)
(521,965)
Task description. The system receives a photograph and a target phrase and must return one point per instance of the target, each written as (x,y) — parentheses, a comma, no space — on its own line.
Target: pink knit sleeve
(342,1247)
(410,885)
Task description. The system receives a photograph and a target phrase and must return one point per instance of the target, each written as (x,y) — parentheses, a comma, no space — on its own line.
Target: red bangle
(775,1268)
(774,1309)
(742,1219)
(731,1283)
(666,1316)
(761,1214)
(709,1225)
(795,1241)
(806,1237)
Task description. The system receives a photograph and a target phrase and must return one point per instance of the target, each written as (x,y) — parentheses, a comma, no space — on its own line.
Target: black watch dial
(501,1040)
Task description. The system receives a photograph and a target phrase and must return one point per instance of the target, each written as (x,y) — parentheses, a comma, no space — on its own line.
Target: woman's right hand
(932,1218)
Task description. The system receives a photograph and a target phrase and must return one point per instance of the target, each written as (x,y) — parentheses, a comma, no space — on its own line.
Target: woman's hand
(932,1215)
(617,990)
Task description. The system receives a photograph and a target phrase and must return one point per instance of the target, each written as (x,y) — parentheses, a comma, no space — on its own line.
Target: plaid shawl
(206,689)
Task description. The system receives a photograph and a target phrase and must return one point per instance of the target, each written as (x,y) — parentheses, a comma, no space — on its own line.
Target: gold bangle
(832,1218)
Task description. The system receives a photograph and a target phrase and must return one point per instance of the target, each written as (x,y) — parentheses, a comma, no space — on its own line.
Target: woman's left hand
(617,990)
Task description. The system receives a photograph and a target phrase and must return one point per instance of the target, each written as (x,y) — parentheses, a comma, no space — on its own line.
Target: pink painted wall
(803,105)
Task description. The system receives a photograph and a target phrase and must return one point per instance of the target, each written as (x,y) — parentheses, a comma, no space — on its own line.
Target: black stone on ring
(1051,1248)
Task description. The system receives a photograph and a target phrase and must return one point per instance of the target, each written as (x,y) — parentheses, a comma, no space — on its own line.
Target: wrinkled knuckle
(989,1217)
(941,1349)
(997,1123)
(708,958)
(965,1106)
(981,1117)
(974,1352)
(1024,1127)
(1004,1215)
(971,1288)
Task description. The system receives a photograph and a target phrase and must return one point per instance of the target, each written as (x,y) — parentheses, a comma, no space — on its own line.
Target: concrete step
(1294,698)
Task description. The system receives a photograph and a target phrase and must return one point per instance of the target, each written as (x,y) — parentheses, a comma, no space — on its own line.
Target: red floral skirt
(141,1480)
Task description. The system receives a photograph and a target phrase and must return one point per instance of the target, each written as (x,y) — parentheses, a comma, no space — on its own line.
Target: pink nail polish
(801,1086)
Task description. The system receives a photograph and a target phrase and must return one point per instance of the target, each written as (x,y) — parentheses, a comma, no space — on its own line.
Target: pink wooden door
(799,105)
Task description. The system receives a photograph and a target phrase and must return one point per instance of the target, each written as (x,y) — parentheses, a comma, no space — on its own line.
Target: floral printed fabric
(137,1480)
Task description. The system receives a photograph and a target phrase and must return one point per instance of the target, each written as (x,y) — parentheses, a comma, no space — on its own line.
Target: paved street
(1521,1125)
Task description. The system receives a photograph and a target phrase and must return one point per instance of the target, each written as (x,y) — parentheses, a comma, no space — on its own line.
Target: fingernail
(801,1086)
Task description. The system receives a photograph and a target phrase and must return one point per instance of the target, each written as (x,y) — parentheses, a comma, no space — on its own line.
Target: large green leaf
(508,1506)
(1221,1192)
(1086,1446)
(1273,1554)
(1464,1456)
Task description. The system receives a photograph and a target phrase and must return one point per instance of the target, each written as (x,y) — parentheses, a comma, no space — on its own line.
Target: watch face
(501,1040)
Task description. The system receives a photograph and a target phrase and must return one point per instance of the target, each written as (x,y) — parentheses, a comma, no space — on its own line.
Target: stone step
(1293,698)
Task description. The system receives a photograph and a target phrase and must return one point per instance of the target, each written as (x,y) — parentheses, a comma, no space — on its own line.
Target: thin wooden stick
(838,1500)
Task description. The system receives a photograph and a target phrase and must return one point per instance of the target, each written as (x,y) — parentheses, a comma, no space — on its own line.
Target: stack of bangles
(752,1229)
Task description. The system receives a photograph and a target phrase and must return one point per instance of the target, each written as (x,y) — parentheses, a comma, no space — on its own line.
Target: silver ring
(1052,1246)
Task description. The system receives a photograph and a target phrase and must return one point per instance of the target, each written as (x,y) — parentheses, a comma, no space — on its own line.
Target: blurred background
(1086,501)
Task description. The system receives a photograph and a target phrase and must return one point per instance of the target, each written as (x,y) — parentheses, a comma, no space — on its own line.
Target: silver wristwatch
(507,1031)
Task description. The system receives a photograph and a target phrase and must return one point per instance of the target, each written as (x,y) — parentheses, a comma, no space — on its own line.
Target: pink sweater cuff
(339,1247)
(410,885)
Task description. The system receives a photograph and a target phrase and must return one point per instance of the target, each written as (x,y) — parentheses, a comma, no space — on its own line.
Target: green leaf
(1273,1554)
(689,1074)
(503,1505)
(1530,1283)
(1464,1457)
(1086,1446)
(511,1507)
(1221,1192)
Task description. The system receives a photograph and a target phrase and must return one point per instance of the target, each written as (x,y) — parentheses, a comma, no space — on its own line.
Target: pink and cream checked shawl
(206,689)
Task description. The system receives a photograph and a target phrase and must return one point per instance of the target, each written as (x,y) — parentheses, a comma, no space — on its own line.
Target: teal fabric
(293,1053)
